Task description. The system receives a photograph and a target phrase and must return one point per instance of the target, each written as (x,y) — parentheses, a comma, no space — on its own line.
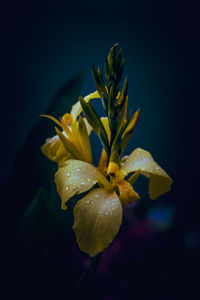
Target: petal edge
(159,183)
(97,219)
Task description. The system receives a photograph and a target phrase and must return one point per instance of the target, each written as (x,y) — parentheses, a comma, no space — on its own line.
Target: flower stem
(87,276)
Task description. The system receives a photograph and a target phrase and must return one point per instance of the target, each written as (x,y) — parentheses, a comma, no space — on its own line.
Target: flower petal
(97,218)
(105,122)
(77,109)
(160,182)
(103,161)
(127,194)
(84,141)
(76,177)
(54,150)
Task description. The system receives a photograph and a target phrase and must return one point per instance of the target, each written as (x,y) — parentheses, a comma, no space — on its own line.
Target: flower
(73,141)
(98,215)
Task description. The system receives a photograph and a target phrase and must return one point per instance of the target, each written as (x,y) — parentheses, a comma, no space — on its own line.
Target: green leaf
(94,120)
(39,224)
(117,141)
(126,137)
(103,140)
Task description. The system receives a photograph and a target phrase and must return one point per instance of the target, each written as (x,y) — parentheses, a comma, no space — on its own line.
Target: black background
(45,44)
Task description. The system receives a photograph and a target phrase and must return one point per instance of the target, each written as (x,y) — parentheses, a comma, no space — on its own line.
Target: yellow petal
(160,182)
(127,194)
(97,218)
(84,140)
(53,119)
(54,150)
(77,109)
(104,120)
(69,146)
(113,169)
(67,119)
(103,161)
(133,123)
(76,177)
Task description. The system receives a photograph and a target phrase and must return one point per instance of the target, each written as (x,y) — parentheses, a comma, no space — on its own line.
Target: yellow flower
(98,215)
(73,141)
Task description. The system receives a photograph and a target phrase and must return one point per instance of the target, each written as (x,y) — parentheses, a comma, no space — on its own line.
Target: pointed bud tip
(115,45)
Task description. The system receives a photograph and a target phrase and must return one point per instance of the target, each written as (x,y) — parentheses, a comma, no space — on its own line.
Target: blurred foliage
(31,169)
(40,223)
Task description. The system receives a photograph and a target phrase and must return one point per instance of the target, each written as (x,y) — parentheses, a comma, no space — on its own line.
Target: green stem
(87,276)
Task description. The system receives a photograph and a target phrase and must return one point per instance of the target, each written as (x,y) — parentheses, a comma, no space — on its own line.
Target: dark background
(42,46)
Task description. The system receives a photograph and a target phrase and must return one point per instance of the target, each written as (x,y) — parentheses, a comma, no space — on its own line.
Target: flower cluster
(98,216)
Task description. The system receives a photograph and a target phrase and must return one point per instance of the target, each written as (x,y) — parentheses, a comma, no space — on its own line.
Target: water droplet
(68,174)
(82,182)
(145,159)
(67,188)
(106,213)
(107,201)
(92,202)
(96,196)
(87,201)
(94,182)
(77,169)
(88,179)
(143,169)
(157,168)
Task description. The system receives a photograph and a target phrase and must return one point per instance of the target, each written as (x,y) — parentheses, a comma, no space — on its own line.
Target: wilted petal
(127,194)
(160,182)
(97,218)
(55,150)
(76,177)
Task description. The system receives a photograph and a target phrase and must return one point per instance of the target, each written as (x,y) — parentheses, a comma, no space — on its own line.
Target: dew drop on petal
(107,201)
(157,168)
(87,201)
(77,169)
(96,196)
(82,182)
(88,179)
(67,188)
(106,213)
(68,174)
